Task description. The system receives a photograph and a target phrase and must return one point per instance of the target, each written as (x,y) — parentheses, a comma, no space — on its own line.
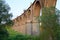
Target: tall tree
(49,23)
(5,19)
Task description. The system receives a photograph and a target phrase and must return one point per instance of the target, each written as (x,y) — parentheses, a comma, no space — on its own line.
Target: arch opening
(37,9)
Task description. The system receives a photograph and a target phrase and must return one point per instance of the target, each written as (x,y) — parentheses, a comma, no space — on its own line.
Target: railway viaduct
(27,23)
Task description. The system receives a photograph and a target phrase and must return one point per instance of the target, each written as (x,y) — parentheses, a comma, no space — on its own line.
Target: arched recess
(37,8)
(36,13)
(29,16)
(28,23)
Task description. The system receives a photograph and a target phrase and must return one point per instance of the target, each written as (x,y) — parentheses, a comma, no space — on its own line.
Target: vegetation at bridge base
(50,24)
(13,35)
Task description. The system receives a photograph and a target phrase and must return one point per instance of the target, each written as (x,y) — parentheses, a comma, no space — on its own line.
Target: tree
(5,19)
(50,25)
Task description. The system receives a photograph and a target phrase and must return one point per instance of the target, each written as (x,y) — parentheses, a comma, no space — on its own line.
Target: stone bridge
(27,23)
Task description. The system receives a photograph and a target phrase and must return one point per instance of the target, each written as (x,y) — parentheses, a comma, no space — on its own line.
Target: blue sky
(18,6)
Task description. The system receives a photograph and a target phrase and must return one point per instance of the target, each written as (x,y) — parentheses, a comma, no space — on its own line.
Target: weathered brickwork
(27,23)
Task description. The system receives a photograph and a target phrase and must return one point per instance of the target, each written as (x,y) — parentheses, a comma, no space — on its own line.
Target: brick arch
(37,8)
(36,13)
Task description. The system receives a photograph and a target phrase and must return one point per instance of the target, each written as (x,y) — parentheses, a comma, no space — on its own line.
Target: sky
(18,6)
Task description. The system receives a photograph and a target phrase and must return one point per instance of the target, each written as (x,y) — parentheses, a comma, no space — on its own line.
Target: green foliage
(5,16)
(5,19)
(13,35)
(23,37)
(3,34)
(50,25)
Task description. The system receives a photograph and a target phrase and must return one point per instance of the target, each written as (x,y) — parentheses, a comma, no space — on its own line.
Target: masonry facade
(27,23)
